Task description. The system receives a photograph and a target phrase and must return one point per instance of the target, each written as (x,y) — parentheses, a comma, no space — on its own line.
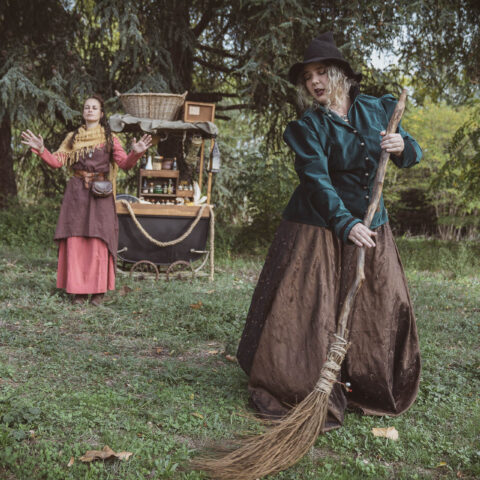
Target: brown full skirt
(292,319)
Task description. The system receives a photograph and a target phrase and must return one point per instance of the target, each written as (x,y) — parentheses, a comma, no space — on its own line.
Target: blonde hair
(339,86)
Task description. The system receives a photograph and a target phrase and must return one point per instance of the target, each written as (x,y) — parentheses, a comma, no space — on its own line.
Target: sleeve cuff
(345,231)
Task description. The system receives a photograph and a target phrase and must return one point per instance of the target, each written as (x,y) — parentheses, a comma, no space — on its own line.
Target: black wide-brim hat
(323,49)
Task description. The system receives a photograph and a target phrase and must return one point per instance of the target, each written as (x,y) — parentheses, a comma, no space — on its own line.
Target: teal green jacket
(337,161)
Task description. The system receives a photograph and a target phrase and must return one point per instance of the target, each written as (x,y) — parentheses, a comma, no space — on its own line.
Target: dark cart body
(135,247)
(164,224)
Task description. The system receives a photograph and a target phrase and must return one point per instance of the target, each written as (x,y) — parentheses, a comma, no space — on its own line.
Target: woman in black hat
(311,263)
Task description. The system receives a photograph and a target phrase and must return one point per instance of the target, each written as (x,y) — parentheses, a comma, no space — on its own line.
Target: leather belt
(89,177)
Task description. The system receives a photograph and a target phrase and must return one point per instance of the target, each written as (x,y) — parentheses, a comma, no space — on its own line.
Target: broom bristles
(275,450)
(282,445)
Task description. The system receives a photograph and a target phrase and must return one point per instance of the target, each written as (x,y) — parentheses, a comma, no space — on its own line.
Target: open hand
(361,236)
(143,144)
(30,139)
(392,143)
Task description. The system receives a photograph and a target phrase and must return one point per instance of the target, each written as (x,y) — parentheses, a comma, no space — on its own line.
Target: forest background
(236,54)
(153,369)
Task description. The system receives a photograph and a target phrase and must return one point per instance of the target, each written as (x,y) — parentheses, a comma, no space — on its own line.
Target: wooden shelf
(184,193)
(173,195)
(162,210)
(159,173)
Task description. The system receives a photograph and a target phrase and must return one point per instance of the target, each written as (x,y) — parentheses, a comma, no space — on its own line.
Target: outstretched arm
(30,139)
(36,144)
(125,161)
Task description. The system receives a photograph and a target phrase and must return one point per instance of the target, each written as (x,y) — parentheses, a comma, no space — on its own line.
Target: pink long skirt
(85,266)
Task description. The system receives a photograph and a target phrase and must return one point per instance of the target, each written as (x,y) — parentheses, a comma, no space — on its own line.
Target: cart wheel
(179,270)
(144,267)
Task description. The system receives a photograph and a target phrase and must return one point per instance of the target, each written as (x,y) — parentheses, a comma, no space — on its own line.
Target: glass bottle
(149,165)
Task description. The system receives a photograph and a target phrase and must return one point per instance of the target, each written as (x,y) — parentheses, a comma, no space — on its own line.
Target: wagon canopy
(129,123)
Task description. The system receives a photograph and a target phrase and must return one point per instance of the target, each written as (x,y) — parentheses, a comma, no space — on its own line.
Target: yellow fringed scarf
(86,142)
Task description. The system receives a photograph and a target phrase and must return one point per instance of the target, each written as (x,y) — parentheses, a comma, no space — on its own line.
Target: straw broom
(290,438)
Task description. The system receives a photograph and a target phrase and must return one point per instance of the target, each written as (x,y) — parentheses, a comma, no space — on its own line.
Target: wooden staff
(290,438)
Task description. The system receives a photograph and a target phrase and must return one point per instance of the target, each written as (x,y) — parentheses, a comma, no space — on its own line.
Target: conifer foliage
(232,52)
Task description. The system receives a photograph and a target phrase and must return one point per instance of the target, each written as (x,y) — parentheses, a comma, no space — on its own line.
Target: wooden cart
(167,238)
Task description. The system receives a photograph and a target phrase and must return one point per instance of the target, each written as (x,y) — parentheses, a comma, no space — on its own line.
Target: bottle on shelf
(149,165)
(174,164)
(170,187)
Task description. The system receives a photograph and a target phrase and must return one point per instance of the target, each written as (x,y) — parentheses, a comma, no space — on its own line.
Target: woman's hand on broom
(392,143)
(143,144)
(30,139)
(361,236)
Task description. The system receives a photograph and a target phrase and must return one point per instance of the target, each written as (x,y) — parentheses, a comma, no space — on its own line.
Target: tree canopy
(232,52)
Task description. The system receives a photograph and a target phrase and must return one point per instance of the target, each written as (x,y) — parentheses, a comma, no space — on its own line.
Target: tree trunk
(8,187)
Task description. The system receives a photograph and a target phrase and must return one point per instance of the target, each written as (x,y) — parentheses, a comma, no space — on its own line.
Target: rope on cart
(170,242)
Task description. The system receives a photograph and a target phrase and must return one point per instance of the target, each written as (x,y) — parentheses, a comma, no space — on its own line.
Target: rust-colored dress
(87,227)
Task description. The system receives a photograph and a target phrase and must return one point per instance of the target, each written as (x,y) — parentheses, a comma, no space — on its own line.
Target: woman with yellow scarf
(87,228)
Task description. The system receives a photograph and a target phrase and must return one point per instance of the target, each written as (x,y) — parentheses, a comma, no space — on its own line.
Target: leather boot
(97,299)
(78,299)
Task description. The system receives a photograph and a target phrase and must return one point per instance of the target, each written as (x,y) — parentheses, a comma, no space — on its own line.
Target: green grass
(147,373)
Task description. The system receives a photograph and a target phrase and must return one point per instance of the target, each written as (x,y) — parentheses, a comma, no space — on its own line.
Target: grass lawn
(148,373)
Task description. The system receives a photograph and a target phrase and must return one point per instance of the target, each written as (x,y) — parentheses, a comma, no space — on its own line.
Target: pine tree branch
(219,51)
(239,106)
(212,66)
(219,94)
(210,12)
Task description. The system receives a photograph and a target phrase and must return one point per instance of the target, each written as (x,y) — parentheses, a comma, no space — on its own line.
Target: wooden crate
(198,112)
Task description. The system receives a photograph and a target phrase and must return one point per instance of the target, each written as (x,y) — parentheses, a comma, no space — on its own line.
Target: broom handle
(372,207)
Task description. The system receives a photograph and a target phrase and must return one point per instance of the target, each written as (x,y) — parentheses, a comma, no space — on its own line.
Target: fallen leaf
(441,464)
(212,352)
(192,396)
(198,415)
(91,455)
(103,454)
(124,455)
(196,306)
(71,462)
(210,291)
(231,358)
(388,432)
(159,350)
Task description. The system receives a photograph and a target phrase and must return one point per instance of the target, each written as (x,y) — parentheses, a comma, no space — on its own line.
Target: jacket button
(355,131)
(366,158)
(365,187)
(367,197)
(367,174)
(362,144)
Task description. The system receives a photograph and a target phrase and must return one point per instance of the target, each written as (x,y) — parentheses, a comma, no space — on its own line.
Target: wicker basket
(158,106)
